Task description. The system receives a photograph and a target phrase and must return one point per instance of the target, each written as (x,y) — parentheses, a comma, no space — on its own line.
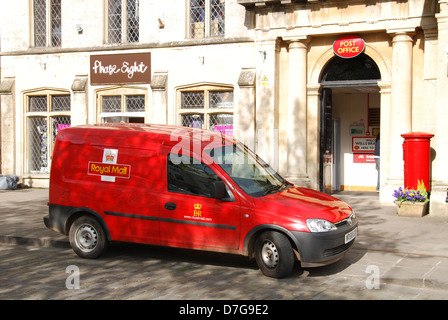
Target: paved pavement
(393,258)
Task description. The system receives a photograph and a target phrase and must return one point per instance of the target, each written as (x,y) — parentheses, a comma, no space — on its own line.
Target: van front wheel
(87,237)
(274,254)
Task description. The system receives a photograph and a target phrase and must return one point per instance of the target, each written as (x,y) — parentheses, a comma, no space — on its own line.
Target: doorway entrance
(349,108)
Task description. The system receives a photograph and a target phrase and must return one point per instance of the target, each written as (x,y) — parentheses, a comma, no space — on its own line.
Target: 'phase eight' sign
(120,68)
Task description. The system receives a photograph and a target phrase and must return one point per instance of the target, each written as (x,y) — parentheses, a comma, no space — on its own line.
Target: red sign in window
(363,158)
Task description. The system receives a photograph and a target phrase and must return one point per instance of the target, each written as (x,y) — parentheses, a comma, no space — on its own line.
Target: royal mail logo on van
(109,169)
(197,210)
(112,170)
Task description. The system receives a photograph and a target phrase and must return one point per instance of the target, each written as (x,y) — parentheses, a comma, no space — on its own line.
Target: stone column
(401,101)
(297,114)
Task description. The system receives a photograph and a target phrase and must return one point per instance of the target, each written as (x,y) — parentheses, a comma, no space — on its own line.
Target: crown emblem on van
(197,206)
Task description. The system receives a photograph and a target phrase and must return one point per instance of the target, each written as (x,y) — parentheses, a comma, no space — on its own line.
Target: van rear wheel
(274,254)
(87,237)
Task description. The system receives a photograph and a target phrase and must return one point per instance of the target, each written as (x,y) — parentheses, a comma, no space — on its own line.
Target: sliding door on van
(189,216)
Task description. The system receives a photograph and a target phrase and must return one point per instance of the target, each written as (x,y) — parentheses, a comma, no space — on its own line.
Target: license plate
(351,235)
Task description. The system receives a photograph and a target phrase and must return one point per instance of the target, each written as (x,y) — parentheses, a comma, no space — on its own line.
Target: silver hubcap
(86,238)
(270,255)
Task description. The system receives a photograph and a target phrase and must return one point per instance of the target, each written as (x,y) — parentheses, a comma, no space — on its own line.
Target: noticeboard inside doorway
(364,144)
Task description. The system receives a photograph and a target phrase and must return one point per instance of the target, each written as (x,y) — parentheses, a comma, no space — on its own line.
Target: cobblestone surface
(394,258)
(146,272)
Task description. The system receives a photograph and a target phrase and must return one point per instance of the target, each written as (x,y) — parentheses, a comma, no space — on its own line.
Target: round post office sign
(348,46)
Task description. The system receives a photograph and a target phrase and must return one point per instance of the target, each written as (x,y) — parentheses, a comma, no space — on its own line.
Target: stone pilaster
(79,104)
(244,129)
(297,114)
(158,110)
(8,128)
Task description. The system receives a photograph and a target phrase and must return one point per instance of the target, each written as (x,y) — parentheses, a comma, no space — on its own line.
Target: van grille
(341,223)
(344,222)
(337,250)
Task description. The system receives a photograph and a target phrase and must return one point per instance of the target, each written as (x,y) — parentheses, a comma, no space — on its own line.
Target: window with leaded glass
(47,23)
(207,18)
(46,115)
(135,103)
(208,108)
(123,21)
(111,104)
(55,23)
(122,106)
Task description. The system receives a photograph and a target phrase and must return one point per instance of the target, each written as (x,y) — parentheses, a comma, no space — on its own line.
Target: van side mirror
(218,189)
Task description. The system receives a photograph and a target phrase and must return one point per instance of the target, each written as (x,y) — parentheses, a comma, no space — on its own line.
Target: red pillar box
(417,157)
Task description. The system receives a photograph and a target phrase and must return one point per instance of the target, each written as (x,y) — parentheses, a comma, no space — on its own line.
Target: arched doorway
(349,108)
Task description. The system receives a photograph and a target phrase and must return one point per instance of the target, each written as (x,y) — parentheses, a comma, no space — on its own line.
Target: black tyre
(274,255)
(87,237)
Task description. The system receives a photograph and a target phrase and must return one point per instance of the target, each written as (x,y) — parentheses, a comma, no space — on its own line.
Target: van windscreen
(248,170)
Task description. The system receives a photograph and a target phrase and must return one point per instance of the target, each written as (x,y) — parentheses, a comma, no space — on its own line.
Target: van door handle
(170,206)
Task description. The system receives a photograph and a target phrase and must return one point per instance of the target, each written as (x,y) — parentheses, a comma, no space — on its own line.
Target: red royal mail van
(189,188)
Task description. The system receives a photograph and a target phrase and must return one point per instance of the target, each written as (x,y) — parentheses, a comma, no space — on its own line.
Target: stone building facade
(265,71)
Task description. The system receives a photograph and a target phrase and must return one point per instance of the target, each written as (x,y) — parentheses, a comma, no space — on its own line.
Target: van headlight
(320,225)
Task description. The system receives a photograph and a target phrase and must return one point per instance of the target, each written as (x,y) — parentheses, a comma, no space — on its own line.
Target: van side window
(189,176)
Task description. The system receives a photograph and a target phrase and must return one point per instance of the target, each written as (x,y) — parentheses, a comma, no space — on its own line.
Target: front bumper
(322,248)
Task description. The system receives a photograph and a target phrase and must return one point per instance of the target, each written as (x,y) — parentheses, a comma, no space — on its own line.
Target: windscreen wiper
(275,188)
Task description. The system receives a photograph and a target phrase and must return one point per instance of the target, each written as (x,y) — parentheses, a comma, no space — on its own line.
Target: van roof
(136,135)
